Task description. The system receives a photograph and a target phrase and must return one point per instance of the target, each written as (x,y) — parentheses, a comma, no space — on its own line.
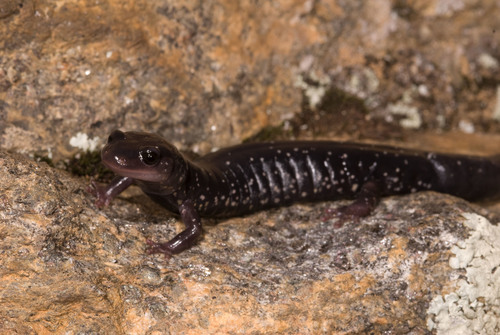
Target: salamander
(251,177)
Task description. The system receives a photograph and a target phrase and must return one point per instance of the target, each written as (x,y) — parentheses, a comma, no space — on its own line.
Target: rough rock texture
(68,267)
(205,74)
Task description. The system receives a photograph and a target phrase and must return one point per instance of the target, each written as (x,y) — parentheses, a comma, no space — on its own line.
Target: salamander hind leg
(363,205)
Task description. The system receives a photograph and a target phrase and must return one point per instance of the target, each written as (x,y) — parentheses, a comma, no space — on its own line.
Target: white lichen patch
(474,308)
(363,83)
(82,141)
(466,126)
(314,92)
(488,62)
(412,118)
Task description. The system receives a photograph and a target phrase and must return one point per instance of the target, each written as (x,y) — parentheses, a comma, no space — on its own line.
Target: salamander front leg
(363,205)
(184,239)
(107,193)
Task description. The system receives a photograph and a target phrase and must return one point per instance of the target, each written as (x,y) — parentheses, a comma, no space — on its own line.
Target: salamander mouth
(150,176)
(129,167)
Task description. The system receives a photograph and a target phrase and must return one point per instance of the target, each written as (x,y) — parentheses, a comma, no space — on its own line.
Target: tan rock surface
(69,267)
(209,74)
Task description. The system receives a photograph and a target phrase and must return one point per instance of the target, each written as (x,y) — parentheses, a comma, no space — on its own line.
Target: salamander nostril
(116,135)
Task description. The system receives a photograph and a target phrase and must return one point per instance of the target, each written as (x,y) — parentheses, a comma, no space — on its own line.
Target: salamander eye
(150,156)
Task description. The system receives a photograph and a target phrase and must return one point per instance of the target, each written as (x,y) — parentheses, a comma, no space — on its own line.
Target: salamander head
(144,157)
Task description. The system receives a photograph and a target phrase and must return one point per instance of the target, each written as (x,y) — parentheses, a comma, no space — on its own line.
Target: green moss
(89,164)
(338,112)
(40,158)
(335,100)
(270,133)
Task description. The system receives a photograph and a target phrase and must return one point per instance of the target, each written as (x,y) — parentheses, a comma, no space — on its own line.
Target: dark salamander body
(252,177)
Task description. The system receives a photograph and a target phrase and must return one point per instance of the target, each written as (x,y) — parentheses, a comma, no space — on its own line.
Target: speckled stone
(70,267)
(206,75)
(209,74)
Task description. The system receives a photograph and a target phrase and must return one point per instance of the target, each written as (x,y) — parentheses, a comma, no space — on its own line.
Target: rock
(209,74)
(69,267)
